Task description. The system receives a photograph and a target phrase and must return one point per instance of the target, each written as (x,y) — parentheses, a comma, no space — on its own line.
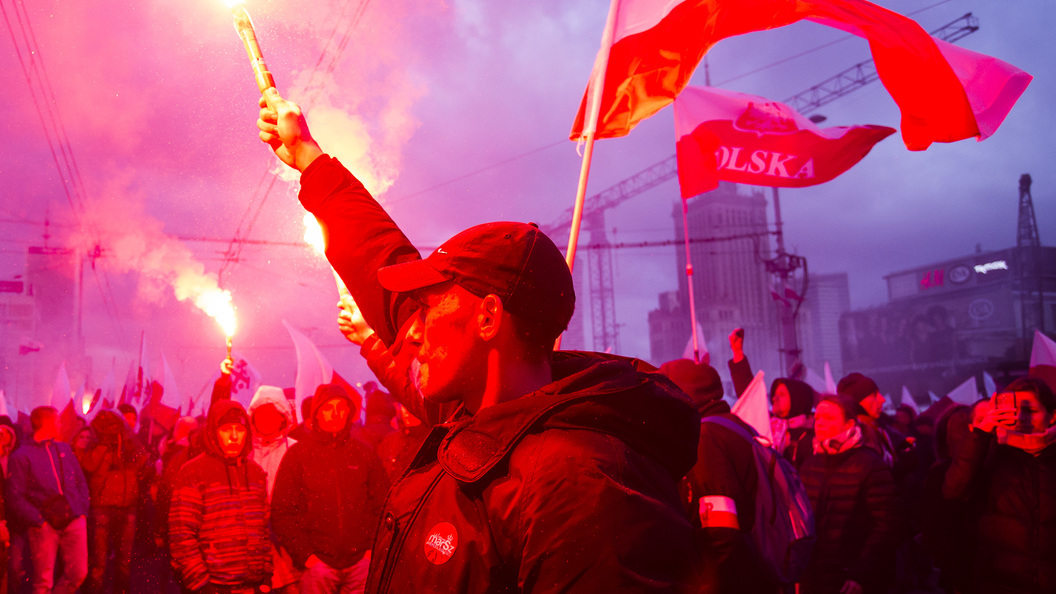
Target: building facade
(947,320)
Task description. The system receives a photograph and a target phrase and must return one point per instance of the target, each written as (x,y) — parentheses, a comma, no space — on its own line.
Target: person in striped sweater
(218,535)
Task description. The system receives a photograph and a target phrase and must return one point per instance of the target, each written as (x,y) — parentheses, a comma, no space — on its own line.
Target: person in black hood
(327,498)
(721,488)
(791,402)
(559,471)
(218,535)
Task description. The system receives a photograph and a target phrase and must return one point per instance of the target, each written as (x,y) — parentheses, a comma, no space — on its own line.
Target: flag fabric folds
(944,95)
(1043,351)
(735,137)
(313,369)
(702,345)
(907,399)
(245,379)
(60,390)
(830,382)
(753,407)
(966,393)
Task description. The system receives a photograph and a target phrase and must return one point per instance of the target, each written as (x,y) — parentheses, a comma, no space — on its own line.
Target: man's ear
(489,316)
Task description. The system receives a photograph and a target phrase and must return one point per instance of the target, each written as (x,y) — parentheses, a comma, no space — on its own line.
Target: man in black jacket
(721,487)
(328,495)
(559,471)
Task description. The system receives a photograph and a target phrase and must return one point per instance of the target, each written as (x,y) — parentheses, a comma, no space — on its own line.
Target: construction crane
(599,261)
(1028,244)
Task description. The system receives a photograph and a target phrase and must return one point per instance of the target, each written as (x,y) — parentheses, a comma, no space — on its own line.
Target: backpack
(783,534)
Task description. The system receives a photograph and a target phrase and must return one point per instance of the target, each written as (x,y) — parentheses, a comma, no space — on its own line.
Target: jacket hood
(699,381)
(109,422)
(225,411)
(275,396)
(800,394)
(623,397)
(326,393)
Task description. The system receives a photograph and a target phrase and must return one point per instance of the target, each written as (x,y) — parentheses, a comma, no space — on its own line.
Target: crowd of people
(486,461)
(250,500)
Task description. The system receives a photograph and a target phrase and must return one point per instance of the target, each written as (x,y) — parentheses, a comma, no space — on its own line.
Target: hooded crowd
(484,460)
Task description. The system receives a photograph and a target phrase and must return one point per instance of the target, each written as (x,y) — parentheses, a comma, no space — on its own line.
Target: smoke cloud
(131,240)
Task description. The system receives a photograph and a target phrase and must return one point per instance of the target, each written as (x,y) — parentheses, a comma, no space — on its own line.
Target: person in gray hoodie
(271,416)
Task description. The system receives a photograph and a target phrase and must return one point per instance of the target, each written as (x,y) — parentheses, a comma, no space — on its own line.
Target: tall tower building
(828,297)
(730,282)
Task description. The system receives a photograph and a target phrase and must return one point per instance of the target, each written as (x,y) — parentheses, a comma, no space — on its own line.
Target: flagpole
(597,86)
(689,280)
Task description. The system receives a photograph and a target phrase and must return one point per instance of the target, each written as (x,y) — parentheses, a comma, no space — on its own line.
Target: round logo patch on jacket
(441,543)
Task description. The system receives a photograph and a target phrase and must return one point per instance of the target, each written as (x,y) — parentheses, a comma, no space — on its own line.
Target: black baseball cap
(514,261)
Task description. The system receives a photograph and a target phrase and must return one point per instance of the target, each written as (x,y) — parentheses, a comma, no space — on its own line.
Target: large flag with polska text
(728,136)
(945,93)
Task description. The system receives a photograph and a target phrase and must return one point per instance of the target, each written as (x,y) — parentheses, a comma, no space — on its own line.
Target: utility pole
(783,267)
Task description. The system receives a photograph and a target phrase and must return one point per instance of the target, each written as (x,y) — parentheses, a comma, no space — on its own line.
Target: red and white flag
(728,136)
(944,95)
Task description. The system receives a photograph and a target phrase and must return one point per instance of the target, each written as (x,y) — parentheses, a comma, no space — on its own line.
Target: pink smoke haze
(453,112)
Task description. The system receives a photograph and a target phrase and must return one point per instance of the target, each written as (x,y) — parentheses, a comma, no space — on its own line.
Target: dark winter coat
(726,467)
(1016,550)
(398,449)
(218,524)
(949,530)
(31,480)
(327,497)
(113,464)
(176,455)
(854,502)
(573,486)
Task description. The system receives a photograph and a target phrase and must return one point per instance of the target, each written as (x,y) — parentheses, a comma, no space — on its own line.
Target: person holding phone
(1016,551)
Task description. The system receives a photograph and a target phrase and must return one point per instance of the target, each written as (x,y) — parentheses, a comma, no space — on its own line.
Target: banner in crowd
(735,137)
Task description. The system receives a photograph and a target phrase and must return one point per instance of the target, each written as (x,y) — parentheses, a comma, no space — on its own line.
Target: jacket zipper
(397,541)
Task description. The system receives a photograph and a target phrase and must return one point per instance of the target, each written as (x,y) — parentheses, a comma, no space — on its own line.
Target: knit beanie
(857,386)
(698,380)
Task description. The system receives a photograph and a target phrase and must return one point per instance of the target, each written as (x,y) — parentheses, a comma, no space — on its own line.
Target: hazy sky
(457,110)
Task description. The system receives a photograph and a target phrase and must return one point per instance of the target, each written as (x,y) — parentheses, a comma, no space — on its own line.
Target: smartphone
(1006,400)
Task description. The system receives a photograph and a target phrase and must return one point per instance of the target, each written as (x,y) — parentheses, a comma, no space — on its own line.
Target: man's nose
(415,334)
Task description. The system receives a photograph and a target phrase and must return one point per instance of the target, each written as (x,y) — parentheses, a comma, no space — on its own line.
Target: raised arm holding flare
(558,471)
